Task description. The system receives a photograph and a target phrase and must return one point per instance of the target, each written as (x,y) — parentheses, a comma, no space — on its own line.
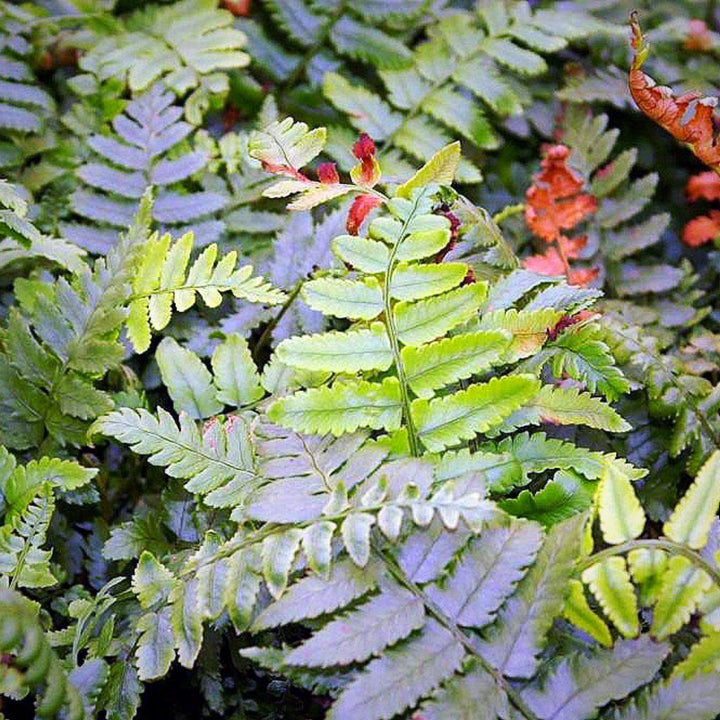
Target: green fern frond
(187,45)
(34,666)
(166,277)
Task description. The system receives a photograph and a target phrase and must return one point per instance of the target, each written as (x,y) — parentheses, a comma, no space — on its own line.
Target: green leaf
(420,322)
(647,568)
(704,657)
(565,495)
(578,611)
(692,517)
(361,253)
(622,518)
(420,244)
(474,695)
(683,585)
(357,300)
(413,282)
(431,367)
(317,545)
(581,356)
(566,406)
(610,583)
(188,381)
(349,351)
(445,421)
(440,169)
(152,582)
(341,408)
(236,376)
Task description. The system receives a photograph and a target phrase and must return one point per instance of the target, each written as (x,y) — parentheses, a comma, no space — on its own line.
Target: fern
(143,151)
(54,350)
(22,241)
(406,476)
(26,109)
(486,53)
(32,664)
(620,200)
(410,233)
(165,278)
(187,46)
(673,586)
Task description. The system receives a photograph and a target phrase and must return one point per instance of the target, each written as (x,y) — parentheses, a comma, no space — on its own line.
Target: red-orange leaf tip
(703,229)
(359,210)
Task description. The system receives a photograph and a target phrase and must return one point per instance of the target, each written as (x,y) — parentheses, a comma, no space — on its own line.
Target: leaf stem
(272,324)
(653,544)
(392,332)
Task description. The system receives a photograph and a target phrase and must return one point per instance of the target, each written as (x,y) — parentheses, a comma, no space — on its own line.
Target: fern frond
(696,697)
(516,639)
(611,585)
(184,45)
(579,686)
(27,109)
(566,406)
(445,421)
(217,464)
(341,408)
(64,340)
(166,277)
(482,53)
(21,240)
(36,664)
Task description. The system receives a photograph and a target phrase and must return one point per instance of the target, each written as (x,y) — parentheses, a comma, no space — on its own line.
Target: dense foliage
(359,360)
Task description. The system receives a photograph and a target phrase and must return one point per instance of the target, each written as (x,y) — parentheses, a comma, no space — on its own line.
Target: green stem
(392,332)
(658,544)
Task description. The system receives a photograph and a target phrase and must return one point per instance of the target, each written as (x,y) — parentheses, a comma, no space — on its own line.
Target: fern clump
(356,362)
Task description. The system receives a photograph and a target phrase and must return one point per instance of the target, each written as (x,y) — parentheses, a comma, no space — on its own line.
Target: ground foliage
(359,360)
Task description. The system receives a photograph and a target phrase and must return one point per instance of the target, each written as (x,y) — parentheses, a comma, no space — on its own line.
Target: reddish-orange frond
(688,118)
(554,201)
